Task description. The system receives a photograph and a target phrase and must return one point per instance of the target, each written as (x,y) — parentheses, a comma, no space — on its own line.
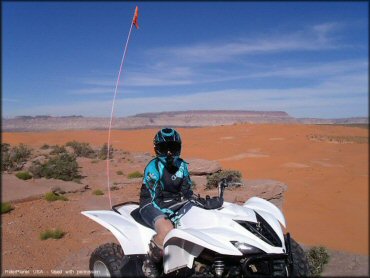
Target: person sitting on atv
(166,182)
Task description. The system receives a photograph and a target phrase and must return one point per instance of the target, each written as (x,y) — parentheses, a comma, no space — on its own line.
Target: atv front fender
(182,246)
(259,204)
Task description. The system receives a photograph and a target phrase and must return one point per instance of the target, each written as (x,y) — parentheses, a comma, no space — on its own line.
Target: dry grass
(55,234)
(98,192)
(6,207)
(135,175)
(51,197)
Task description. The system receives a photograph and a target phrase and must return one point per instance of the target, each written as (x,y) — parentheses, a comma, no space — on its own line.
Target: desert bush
(339,139)
(135,175)
(5,147)
(94,161)
(6,207)
(98,192)
(119,172)
(230,175)
(102,153)
(23,175)
(36,169)
(114,187)
(318,257)
(63,167)
(55,234)
(81,149)
(45,147)
(51,197)
(14,158)
(58,149)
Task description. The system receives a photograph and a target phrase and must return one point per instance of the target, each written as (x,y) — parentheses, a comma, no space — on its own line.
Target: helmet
(167,140)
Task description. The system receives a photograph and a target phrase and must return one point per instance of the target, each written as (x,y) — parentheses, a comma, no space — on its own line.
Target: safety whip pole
(134,22)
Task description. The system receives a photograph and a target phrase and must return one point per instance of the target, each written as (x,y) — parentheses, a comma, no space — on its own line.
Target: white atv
(231,241)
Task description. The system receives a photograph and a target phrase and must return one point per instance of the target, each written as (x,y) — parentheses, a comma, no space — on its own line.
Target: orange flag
(136,15)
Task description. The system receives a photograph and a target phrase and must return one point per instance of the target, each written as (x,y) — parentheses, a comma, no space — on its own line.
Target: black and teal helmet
(167,140)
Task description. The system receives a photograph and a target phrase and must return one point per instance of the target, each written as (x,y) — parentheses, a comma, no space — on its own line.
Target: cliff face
(198,118)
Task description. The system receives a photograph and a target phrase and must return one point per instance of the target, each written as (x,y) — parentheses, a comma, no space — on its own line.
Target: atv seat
(137,217)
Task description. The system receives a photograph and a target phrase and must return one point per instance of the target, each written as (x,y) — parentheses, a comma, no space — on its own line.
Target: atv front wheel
(107,261)
(300,266)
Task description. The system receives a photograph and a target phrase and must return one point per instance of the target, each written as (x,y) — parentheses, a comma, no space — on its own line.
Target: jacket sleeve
(151,179)
(186,186)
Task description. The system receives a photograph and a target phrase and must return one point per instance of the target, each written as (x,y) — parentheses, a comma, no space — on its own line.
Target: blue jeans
(150,214)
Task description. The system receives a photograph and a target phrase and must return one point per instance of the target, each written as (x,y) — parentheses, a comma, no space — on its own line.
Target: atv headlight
(245,248)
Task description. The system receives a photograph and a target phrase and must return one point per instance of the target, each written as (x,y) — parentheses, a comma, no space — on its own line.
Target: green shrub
(55,234)
(23,175)
(63,167)
(230,175)
(114,187)
(102,153)
(82,149)
(119,172)
(14,158)
(318,257)
(98,192)
(51,197)
(45,147)
(58,149)
(6,207)
(135,175)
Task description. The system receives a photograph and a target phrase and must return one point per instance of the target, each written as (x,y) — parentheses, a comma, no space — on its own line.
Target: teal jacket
(165,187)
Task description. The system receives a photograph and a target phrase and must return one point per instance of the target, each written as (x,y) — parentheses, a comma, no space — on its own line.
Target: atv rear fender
(133,237)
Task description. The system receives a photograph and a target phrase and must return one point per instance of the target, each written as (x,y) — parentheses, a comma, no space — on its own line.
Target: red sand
(327,198)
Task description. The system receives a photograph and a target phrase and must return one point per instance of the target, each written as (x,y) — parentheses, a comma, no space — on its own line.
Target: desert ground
(326,169)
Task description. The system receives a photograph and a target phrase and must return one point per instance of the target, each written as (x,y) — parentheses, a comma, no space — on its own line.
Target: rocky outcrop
(199,167)
(199,181)
(270,190)
(16,190)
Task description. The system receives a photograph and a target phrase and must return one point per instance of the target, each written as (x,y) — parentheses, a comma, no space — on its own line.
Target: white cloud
(165,78)
(94,90)
(313,38)
(346,93)
(309,70)
(10,100)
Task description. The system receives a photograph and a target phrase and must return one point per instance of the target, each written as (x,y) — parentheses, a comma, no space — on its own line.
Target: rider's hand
(209,203)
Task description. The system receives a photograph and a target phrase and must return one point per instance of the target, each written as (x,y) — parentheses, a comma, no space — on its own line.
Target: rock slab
(270,190)
(199,167)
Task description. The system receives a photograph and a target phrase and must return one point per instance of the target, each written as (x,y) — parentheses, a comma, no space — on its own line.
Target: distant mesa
(191,118)
(214,112)
(45,117)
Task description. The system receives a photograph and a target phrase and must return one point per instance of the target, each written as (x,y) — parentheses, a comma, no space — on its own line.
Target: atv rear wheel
(107,261)
(300,266)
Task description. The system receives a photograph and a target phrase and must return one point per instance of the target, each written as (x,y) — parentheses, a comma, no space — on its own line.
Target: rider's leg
(157,220)
(162,226)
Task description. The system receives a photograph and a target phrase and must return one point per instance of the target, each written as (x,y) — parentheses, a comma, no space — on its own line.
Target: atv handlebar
(222,184)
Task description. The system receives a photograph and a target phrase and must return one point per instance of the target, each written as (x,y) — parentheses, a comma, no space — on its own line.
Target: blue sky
(309,59)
